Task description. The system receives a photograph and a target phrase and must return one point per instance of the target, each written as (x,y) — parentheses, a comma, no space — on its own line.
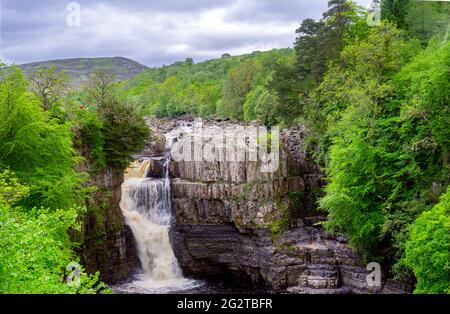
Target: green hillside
(209,88)
(79,69)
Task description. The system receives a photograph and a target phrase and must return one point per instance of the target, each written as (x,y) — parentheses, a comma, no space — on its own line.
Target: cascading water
(146,205)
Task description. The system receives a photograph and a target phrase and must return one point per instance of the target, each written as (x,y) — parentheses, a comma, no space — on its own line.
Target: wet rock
(156,168)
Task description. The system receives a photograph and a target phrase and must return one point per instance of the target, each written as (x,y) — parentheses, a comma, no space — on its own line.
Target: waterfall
(146,205)
(147,209)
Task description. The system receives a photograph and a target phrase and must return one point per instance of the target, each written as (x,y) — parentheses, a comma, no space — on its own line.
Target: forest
(375,99)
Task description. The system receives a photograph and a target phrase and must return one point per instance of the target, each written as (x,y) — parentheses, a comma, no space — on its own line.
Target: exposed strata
(107,243)
(228,217)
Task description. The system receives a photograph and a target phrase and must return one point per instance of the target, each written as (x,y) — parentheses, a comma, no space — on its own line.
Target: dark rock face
(156,168)
(107,242)
(301,260)
(225,223)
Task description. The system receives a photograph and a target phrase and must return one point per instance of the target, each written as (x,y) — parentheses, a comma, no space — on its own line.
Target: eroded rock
(230,217)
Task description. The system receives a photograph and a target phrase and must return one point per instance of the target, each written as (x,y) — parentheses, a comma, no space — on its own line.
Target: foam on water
(146,205)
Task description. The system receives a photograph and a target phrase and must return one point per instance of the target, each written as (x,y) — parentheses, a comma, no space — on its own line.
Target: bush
(36,252)
(428,248)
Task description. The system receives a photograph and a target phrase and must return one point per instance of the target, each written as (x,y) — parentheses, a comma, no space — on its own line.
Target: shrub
(428,248)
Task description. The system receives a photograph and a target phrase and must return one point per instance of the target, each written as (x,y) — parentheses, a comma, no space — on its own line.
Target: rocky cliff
(233,219)
(107,243)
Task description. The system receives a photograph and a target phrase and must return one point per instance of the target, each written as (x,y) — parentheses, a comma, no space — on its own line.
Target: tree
(261,105)
(428,248)
(238,84)
(371,177)
(425,19)
(320,42)
(37,148)
(395,11)
(125,134)
(338,21)
(50,85)
(11,191)
(168,100)
(422,19)
(311,58)
(189,61)
(36,252)
(99,88)
(209,97)
(124,131)
(360,76)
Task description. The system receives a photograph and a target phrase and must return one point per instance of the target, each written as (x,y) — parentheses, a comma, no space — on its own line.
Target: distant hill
(80,69)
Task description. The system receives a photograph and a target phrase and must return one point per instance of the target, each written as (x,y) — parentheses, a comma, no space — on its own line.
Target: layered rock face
(107,242)
(233,218)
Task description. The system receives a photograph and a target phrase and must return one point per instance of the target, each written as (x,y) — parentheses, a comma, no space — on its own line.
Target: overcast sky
(153,32)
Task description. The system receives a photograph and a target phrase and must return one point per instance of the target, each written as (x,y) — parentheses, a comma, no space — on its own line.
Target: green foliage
(428,248)
(421,19)
(36,252)
(285,86)
(38,169)
(36,148)
(311,58)
(236,87)
(395,11)
(124,132)
(11,191)
(261,105)
(386,118)
(118,129)
(278,226)
(317,47)
(320,42)
(425,84)
(91,134)
(337,23)
(212,88)
(351,192)
(49,84)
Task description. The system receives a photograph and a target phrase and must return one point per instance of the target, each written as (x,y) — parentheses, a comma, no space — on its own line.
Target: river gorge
(216,226)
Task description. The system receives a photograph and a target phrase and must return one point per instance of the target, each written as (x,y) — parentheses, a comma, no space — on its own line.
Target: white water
(147,209)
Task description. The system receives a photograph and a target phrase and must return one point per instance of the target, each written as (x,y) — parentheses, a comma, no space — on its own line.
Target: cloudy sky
(153,32)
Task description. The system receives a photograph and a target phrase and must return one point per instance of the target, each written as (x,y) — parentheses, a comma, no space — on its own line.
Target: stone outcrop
(301,260)
(233,219)
(107,243)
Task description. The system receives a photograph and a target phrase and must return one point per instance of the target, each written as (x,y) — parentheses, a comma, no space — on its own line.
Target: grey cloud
(155,5)
(282,10)
(151,32)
